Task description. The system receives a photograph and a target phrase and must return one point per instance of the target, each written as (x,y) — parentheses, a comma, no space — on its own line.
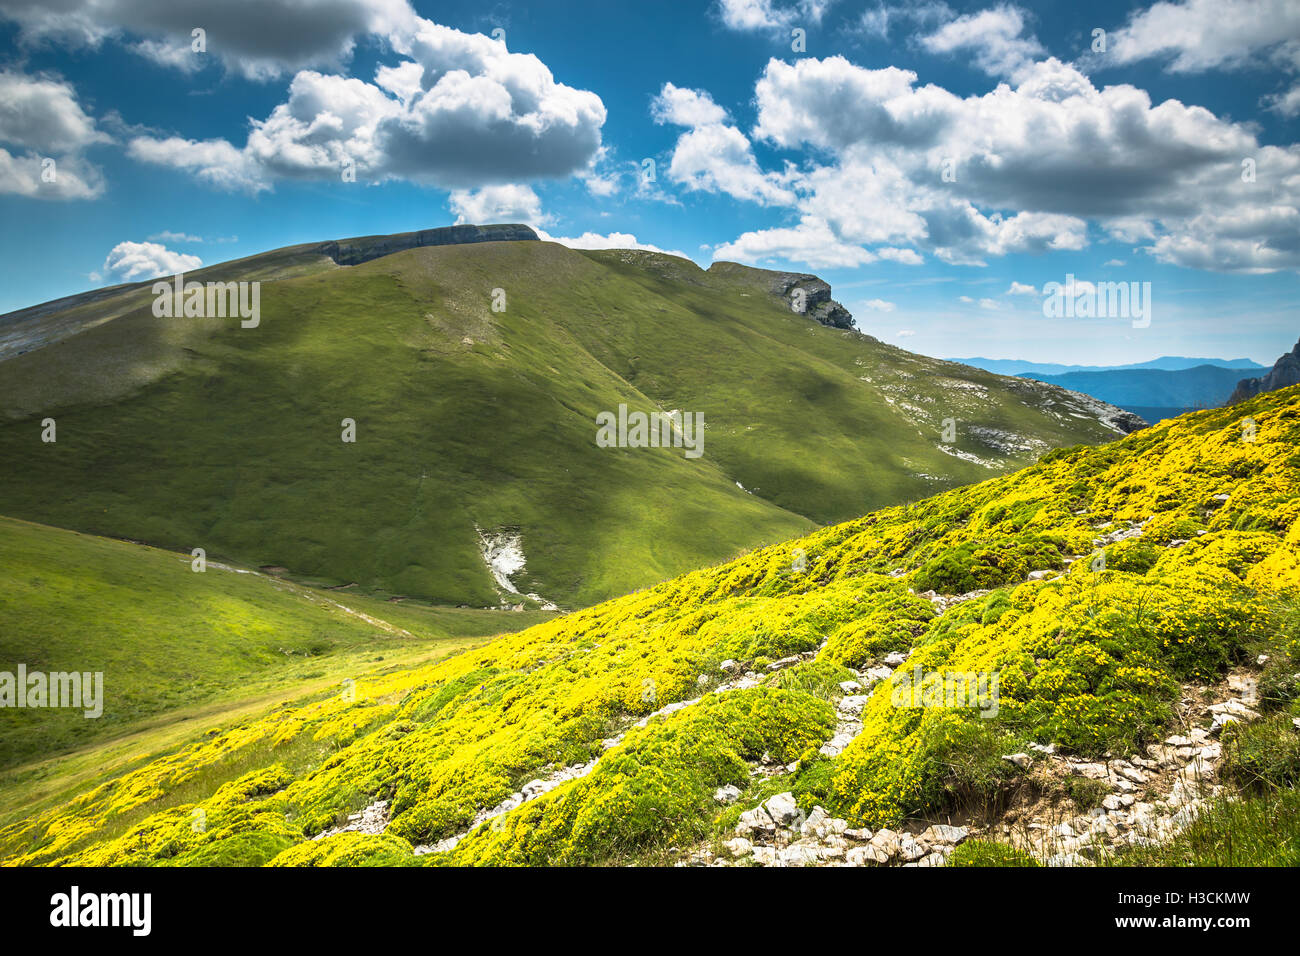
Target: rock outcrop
(351,252)
(1285,371)
(812,296)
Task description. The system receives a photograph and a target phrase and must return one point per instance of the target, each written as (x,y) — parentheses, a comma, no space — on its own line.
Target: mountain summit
(417,415)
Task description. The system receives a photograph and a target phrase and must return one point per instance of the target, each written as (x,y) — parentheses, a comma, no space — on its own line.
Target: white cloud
(712,155)
(811,242)
(904,333)
(508,203)
(214,162)
(771,14)
(907,257)
(614,240)
(43,132)
(42,113)
(1062,151)
(878,305)
(685,107)
(1020,288)
(1199,35)
(1287,104)
(147,260)
(460,112)
(991,37)
(28,175)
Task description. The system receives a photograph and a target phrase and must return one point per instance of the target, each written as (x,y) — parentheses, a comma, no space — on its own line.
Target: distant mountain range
(1161,388)
(1168,363)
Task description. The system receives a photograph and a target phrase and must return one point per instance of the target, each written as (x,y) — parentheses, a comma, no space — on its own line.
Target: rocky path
(1150,799)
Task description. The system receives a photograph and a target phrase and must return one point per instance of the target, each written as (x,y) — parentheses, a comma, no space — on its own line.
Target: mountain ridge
(471,421)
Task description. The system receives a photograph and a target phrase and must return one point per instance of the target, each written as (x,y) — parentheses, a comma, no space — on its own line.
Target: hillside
(1153,394)
(169,639)
(475,429)
(1137,598)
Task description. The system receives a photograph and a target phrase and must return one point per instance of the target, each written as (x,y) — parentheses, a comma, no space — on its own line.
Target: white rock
(944,835)
(782,808)
(727,794)
(739,846)
(756,820)
(1022,761)
(852,705)
(798,856)
(850,686)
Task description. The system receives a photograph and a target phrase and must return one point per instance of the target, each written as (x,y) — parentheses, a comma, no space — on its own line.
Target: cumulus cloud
(1034,166)
(906,257)
(1020,288)
(992,38)
(256,38)
(460,112)
(1198,35)
(508,203)
(713,155)
(129,261)
(45,130)
(214,162)
(31,176)
(614,240)
(42,113)
(1288,103)
(751,15)
(878,305)
(812,242)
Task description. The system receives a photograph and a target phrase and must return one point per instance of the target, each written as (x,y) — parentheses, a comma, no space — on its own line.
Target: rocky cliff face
(351,252)
(816,295)
(1285,371)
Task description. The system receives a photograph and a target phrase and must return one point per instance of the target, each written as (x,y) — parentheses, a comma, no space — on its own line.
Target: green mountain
(474,373)
(1137,603)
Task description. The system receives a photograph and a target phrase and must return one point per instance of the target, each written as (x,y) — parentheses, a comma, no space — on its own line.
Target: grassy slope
(1091,660)
(175,644)
(190,433)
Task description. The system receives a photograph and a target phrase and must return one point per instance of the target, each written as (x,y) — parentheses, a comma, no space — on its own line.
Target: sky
(939,163)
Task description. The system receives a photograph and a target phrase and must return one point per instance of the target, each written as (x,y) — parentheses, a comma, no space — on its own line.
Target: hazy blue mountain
(1165,362)
(1153,394)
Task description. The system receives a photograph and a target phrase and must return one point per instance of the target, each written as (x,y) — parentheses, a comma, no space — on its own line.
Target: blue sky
(1115,164)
